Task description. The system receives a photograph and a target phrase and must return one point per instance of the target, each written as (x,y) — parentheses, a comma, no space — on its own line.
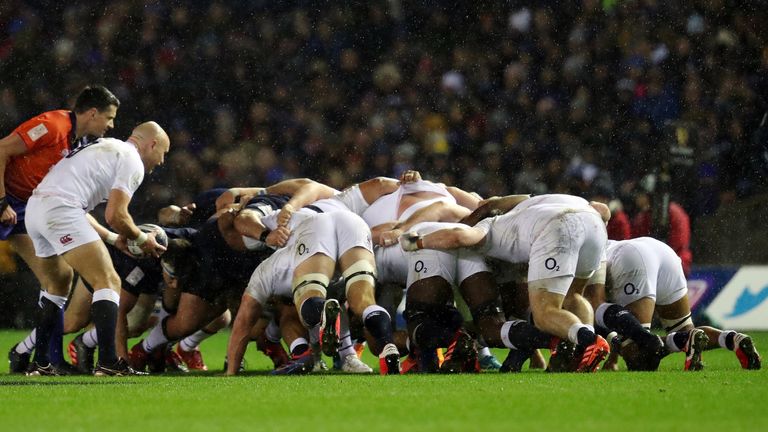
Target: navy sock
(312,311)
(525,336)
(586,337)
(104,316)
(620,319)
(299,349)
(57,340)
(379,325)
(46,321)
(680,339)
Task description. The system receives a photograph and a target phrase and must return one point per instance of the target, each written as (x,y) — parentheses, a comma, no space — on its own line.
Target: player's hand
(8,217)
(121,244)
(185,213)
(410,176)
(388,238)
(225,199)
(151,247)
(285,215)
(279,237)
(409,241)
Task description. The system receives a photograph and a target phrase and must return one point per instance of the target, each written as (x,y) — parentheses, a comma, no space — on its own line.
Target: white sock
(59,301)
(297,342)
(28,344)
(721,338)
(191,342)
(505,333)
(155,339)
(573,332)
(670,342)
(484,352)
(90,339)
(346,346)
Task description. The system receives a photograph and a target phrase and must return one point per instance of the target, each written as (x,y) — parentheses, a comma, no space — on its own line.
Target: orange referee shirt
(48,138)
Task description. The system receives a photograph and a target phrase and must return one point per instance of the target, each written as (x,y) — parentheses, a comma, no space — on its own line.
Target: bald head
(152,142)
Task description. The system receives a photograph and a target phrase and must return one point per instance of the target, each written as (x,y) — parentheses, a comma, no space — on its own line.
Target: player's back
(88,174)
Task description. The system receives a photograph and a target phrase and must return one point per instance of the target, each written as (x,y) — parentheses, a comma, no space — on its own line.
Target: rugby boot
(746,352)
(173,361)
(81,356)
(359,349)
(461,355)
(389,360)
(36,369)
(352,364)
(118,368)
(300,364)
(138,357)
(489,363)
(593,355)
(18,363)
(410,364)
(193,359)
(330,327)
(696,344)
(564,356)
(515,360)
(276,352)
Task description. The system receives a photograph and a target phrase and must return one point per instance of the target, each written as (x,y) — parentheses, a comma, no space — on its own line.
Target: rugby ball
(160,237)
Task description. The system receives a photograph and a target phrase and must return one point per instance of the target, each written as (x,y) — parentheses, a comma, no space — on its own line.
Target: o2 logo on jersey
(301,249)
(630,289)
(66,239)
(551,264)
(420,267)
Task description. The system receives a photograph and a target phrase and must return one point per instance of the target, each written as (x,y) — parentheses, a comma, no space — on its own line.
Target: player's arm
(436,212)
(493,207)
(285,187)
(305,195)
(10,146)
(470,200)
(247,315)
(120,220)
(375,188)
(444,239)
(108,236)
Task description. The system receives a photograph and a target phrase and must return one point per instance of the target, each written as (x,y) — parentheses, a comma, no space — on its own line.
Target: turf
(721,398)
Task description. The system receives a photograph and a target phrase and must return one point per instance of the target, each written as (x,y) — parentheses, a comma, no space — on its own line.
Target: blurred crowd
(498,97)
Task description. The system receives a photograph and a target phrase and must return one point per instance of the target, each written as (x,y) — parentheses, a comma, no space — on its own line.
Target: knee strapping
(677,324)
(309,282)
(360,271)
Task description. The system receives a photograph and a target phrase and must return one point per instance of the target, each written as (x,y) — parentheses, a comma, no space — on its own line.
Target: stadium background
(497,97)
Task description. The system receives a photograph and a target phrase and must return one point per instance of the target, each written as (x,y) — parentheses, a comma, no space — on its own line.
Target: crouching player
(645,275)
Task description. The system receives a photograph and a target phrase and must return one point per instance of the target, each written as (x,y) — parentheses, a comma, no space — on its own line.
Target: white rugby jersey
(88,174)
(509,237)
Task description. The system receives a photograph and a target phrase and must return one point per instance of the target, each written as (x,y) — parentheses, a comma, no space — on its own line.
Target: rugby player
(562,238)
(107,169)
(646,275)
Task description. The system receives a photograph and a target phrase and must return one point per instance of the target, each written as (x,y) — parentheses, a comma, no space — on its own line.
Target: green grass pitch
(721,398)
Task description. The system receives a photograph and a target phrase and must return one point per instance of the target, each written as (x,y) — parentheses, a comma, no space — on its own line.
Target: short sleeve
(129,172)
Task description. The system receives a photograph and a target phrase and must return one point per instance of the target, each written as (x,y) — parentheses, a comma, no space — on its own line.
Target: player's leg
(93,263)
(682,335)
(189,347)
